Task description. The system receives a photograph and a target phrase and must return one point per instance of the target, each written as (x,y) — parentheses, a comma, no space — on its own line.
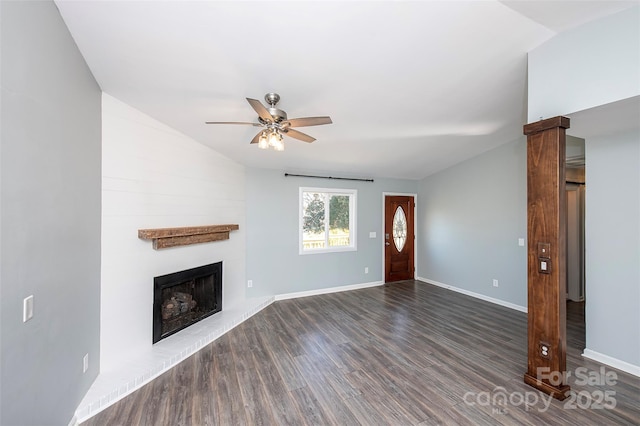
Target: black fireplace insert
(184,298)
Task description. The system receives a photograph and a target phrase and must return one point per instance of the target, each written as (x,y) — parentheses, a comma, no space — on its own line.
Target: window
(327,220)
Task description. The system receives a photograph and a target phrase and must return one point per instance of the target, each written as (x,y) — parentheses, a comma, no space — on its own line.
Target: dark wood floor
(403,354)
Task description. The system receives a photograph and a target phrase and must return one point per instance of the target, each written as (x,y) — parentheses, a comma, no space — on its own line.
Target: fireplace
(184,298)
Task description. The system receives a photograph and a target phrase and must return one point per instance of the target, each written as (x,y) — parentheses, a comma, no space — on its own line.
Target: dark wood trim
(548,124)
(546,232)
(558,392)
(173,237)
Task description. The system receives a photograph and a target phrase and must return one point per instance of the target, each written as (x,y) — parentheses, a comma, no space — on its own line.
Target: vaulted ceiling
(412,87)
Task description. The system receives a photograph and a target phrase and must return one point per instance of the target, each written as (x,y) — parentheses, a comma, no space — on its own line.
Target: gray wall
(586,66)
(50,217)
(470,217)
(613,246)
(273,262)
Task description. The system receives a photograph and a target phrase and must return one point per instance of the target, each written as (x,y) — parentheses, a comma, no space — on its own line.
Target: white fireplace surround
(156,177)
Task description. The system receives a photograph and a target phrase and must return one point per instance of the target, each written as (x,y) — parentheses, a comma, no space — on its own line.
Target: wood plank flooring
(407,353)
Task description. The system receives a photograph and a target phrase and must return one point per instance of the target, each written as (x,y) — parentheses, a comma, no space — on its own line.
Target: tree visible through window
(318,234)
(314,214)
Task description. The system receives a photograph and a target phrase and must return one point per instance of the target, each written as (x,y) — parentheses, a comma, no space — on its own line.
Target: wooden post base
(557,392)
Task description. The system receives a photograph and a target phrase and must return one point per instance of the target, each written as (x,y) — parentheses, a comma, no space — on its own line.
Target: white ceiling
(412,87)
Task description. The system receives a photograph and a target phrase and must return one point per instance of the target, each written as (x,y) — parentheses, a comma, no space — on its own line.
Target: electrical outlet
(27,308)
(85,363)
(495,283)
(545,350)
(521,242)
(250,283)
(366,269)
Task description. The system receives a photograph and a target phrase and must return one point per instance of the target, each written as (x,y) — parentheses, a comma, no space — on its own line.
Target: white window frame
(353,233)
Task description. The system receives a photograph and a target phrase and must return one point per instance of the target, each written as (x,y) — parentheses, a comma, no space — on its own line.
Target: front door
(398,238)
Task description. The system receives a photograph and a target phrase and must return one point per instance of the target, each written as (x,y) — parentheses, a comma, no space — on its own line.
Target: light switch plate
(27,308)
(372,234)
(544,266)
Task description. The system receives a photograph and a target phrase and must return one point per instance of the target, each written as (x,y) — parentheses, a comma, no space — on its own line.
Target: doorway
(576,297)
(399,238)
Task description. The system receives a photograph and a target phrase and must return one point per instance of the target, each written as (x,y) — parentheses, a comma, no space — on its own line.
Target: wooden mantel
(173,237)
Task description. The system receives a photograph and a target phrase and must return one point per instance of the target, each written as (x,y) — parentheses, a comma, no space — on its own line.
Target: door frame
(415,229)
(579,189)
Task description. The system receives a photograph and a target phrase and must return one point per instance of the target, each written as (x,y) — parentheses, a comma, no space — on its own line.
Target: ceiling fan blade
(260,109)
(298,135)
(256,137)
(234,122)
(309,121)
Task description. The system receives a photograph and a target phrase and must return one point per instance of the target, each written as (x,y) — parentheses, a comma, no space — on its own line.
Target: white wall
(593,64)
(155,177)
(470,217)
(613,246)
(273,260)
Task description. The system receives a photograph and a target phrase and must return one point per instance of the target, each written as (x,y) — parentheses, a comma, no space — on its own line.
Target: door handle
(386,243)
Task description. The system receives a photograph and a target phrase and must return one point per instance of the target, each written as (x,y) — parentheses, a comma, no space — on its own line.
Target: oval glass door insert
(399,229)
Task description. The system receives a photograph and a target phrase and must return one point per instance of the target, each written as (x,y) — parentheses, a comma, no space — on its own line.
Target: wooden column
(546,233)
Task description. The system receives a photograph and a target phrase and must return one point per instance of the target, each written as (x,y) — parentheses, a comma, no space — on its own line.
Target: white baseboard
(476,295)
(587,353)
(612,362)
(327,290)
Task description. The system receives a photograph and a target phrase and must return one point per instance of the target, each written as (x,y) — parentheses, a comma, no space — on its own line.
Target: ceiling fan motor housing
(277,114)
(272,99)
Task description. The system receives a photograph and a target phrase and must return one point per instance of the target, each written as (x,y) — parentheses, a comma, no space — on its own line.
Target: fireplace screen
(184,298)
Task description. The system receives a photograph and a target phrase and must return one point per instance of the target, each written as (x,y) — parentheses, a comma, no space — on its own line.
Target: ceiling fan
(276,124)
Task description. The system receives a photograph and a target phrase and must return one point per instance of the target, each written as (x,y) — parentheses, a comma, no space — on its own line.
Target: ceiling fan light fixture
(275,140)
(263,143)
(271,138)
(279,145)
